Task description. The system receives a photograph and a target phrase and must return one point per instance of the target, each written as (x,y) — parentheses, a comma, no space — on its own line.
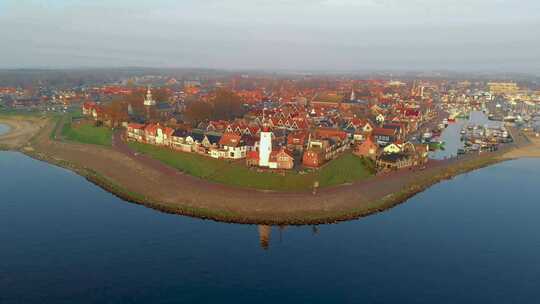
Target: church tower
(148,99)
(149,103)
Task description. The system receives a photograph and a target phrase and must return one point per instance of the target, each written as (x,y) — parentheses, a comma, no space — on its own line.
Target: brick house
(135,132)
(281,159)
(367,149)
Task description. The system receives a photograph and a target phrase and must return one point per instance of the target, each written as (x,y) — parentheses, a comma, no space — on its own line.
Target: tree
(227,105)
(161,94)
(198,111)
(136,100)
(116,111)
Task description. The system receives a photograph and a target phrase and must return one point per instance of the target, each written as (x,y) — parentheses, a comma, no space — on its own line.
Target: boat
(445,122)
(463,116)
(426,137)
(436,145)
(495,117)
(461,151)
(509,118)
(453,115)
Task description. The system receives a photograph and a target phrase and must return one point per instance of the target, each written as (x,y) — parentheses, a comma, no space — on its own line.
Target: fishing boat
(463,115)
(509,118)
(436,145)
(495,117)
(426,137)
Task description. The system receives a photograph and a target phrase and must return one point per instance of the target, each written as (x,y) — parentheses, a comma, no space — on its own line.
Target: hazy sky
(273,34)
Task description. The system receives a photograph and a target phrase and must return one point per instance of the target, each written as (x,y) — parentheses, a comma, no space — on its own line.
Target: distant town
(275,123)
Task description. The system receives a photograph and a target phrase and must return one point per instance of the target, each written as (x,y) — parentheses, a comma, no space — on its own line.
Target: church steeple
(149,100)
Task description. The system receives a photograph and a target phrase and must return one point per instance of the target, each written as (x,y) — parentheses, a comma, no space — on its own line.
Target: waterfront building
(231,146)
(88,107)
(367,149)
(281,159)
(385,136)
(402,156)
(313,158)
(135,132)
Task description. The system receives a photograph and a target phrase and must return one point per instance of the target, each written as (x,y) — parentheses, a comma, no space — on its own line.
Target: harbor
(472,132)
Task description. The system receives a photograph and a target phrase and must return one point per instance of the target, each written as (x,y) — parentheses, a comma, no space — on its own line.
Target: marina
(473,134)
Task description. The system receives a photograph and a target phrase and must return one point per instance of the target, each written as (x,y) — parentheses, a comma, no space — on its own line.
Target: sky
(294,35)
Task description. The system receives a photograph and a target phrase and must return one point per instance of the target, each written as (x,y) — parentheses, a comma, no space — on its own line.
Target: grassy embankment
(20,113)
(86,133)
(347,168)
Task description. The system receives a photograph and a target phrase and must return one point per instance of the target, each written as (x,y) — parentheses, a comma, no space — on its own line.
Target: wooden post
(315,187)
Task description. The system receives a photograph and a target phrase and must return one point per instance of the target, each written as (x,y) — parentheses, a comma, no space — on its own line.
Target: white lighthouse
(265,147)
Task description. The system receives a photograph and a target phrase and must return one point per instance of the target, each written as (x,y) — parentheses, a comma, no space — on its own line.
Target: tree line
(224,105)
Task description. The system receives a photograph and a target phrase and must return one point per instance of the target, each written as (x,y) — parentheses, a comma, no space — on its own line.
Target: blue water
(470,240)
(452,140)
(3,129)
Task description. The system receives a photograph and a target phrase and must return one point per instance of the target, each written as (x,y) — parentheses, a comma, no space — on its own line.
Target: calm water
(470,240)
(452,136)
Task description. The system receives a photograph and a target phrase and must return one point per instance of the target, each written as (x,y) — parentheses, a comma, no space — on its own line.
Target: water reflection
(265,233)
(264,236)
(67,241)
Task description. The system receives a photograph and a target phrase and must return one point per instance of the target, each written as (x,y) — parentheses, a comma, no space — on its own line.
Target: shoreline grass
(87,134)
(346,169)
